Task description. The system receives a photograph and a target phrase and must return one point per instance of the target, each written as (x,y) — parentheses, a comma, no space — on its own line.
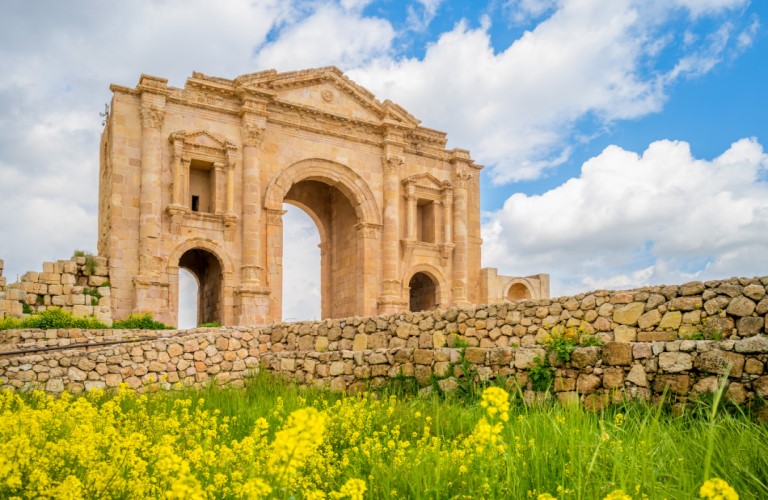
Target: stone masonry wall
(678,338)
(76,285)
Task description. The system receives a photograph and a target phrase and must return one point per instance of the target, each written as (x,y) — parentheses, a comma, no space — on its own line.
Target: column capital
(274,217)
(367,230)
(462,177)
(252,135)
(392,163)
(152,116)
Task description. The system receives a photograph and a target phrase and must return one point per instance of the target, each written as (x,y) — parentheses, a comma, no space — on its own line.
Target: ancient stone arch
(220,284)
(206,169)
(438,292)
(344,209)
(518,289)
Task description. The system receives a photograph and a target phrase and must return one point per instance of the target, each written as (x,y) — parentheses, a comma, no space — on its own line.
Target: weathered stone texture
(345,353)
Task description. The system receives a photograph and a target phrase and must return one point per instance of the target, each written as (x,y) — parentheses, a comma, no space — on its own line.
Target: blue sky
(623,140)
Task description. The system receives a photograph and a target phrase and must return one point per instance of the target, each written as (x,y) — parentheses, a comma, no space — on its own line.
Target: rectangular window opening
(425,221)
(200,185)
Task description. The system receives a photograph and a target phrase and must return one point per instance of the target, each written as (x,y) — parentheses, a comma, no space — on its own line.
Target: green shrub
(52,318)
(139,322)
(26,308)
(10,323)
(212,324)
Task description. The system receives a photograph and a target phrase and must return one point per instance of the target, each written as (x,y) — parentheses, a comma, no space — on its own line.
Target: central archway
(343,207)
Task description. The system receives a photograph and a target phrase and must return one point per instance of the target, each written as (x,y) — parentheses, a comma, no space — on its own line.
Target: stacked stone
(724,309)
(8,306)
(76,285)
(651,342)
(190,359)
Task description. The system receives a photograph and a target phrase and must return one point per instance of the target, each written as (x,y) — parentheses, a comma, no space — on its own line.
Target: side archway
(518,290)
(425,288)
(214,273)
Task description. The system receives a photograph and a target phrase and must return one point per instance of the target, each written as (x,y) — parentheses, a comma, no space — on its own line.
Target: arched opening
(188,289)
(518,291)
(206,268)
(301,266)
(336,220)
(423,293)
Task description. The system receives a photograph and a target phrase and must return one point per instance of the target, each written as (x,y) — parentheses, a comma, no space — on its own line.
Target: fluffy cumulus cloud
(330,35)
(517,108)
(632,220)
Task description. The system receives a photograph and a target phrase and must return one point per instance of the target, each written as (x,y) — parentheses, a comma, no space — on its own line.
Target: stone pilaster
(390,300)
(462,177)
(254,295)
(150,288)
(274,258)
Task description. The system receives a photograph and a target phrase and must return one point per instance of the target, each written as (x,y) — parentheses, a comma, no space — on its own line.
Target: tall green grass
(647,451)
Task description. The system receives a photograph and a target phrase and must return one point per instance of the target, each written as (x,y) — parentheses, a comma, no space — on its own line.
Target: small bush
(139,322)
(52,318)
(26,308)
(212,324)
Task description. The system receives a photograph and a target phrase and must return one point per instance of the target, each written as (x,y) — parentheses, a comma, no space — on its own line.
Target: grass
(417,447)
(58,318)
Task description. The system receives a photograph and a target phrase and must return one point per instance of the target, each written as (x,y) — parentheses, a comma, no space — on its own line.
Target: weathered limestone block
(671,320)
(525,358)
(754,344)
(721,362)
(613,378)
(674,362)
(475,355)
(649,319)
(624,333)
(628,314)
(706,384)
(617,354)
(582,357)
(692,288)
(750,325)
(685,303)
(754,291)
(677,384)
(638,376)
(754,366)
(741,306)
(587,383)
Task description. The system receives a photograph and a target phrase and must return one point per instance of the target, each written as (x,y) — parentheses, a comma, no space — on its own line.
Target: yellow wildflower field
(277,441)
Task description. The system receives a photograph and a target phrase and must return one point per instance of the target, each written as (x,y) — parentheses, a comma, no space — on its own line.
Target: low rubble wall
(675,338)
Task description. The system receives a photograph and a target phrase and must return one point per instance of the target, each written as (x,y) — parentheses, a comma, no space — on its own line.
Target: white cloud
(328,36)
(422,13)
(630,220)
(522,11)
(701,7)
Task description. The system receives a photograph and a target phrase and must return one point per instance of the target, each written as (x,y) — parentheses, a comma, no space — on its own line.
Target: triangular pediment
(327,90)
(426,181)
(201,138)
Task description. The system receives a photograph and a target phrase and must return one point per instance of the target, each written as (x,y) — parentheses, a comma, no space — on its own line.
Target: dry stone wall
(682,339)
(79,285)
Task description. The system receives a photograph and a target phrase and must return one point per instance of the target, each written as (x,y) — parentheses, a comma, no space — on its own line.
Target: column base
(151,296)
(253,305)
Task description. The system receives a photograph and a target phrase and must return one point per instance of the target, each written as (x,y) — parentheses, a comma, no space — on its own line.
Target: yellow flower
(617,495)
(717,489)
(545,496)
(495,400)
(352,489)
(296,441)
(255,488)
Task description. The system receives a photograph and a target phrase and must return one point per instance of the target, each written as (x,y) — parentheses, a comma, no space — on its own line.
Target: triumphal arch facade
(196,178)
